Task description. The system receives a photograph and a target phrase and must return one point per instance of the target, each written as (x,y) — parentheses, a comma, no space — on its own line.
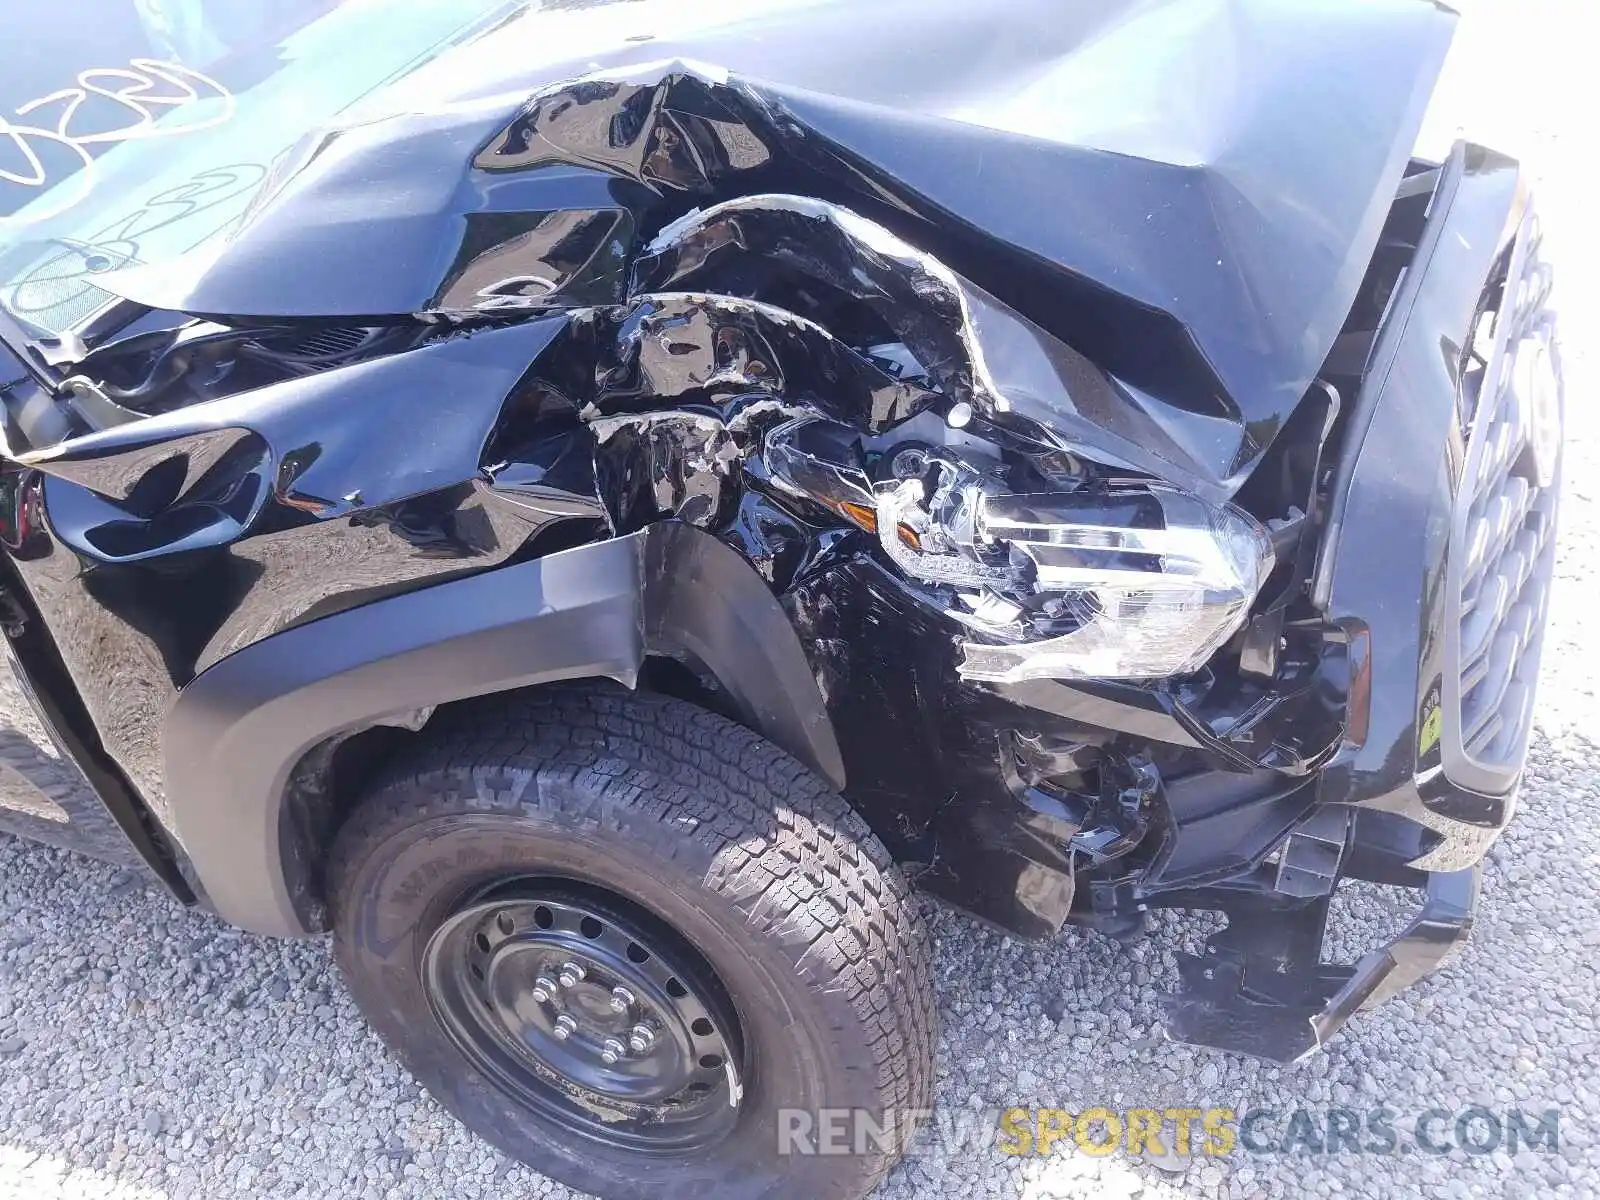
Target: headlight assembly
(1155,580)
(1136,581)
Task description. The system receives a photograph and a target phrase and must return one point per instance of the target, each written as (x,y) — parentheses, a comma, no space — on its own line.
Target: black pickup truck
(593,505)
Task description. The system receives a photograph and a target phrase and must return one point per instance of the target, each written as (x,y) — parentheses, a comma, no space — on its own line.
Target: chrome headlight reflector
(1155,579)
(1133,581)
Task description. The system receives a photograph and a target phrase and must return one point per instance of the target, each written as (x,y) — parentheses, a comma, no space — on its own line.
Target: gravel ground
(148,1052)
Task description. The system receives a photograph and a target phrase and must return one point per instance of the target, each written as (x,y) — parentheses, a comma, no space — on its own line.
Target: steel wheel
(583,1007)
(666,851)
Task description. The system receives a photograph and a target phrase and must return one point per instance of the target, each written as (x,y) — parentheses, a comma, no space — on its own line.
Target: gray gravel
(148,1052)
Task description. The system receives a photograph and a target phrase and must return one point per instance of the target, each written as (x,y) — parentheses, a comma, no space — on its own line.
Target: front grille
(1503,545)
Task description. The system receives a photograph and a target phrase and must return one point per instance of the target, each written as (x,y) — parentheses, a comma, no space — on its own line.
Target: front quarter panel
(163,546)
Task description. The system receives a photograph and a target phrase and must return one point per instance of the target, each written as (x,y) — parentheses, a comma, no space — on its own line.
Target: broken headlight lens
(820,460)
(1137,581)
(936,540)
(1154,579)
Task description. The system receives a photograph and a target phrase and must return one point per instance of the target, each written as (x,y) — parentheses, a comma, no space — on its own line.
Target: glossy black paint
(515,426)
(1207,238)
(237,737)
(1381,570)
(55,783)
(163,546)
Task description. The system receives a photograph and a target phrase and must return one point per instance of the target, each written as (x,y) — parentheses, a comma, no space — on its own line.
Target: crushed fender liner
(236,733)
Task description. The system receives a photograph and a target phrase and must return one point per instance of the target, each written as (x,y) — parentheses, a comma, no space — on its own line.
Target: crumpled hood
(1186,191)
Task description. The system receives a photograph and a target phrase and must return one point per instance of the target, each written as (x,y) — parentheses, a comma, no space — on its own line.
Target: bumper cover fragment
(1245,995)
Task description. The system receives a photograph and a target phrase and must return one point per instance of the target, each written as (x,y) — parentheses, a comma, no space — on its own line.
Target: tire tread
(785,849)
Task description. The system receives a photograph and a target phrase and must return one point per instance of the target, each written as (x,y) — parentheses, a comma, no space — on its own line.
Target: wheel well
(330,777)
(257,782)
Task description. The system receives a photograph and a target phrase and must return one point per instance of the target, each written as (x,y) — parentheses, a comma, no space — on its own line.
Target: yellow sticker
(1432,729)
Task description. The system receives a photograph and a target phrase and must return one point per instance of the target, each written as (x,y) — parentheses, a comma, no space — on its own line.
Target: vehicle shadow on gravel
(150,1052)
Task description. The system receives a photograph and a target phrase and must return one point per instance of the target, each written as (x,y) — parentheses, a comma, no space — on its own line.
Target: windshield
(132,131)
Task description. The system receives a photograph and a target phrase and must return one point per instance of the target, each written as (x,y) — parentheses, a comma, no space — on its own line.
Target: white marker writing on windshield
(146,89)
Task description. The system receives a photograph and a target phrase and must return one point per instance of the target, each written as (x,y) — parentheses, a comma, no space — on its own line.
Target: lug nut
(641,1039)
(543,988)
(571,974)
(621,997)
(612,1051)
(565,1027)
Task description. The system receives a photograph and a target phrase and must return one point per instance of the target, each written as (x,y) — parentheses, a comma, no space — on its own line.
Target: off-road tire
(770,874)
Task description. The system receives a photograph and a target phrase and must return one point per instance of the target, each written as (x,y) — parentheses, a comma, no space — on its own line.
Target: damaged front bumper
(1438,569)
(1282,1007)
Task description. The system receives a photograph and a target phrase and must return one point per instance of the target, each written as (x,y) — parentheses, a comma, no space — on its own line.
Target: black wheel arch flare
(235,735)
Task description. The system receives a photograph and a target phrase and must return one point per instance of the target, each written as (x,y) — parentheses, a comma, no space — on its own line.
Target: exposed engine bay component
(303,350)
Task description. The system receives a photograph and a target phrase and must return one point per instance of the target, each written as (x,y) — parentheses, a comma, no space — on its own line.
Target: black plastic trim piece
(1428,942)
(703,602)
(1282,1003)
(235,733)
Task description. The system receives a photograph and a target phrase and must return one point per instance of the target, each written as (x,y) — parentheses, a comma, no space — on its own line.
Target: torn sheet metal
(677,463)
(1120,171)
(675,344)
(974,350)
